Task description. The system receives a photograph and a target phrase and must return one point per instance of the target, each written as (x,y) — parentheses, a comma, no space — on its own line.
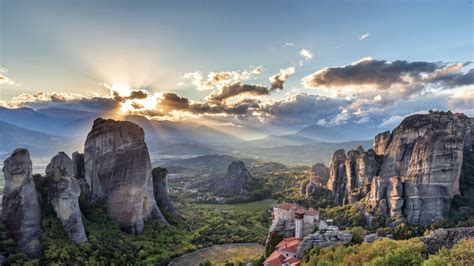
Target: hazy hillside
(217,164)
(307,154)
(39,144)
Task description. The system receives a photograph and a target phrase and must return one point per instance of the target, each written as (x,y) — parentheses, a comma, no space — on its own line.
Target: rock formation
(320,173)
(234,182)
(446,238)
(161,192)
(350,175)
(337,176)
(326,239)
(63,193)
(414,171)
(21,212)
(118,172)
(79,173)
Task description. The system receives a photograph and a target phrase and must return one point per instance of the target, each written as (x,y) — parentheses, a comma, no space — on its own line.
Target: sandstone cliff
(118,172)
(414,171)
(21,212)
(63,193)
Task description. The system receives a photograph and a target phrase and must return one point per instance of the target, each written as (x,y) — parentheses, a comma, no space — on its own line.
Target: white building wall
(299,228)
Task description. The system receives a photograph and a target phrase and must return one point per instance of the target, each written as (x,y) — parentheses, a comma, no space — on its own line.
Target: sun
(134,105)
(121,89)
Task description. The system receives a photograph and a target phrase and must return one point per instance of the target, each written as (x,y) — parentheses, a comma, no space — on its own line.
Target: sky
(284,63)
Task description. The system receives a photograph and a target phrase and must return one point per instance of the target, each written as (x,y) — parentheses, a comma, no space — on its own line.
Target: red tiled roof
(275,259)
(289,244)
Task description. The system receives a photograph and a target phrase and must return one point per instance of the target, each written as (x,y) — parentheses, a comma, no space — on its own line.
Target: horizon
(182,61)
(236,132)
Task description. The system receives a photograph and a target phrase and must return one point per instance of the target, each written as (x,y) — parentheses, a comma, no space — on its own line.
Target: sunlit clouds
(4,80)
(306,54)
(217,80)
(364,92)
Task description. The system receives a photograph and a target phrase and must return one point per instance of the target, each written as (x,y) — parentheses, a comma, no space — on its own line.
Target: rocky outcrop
(381,142)
(326,239)
(351,174)
(318,177)
(446,238)
(422,165)
(319,174)
(21,212)
(234,182)
(118,172)
(371,238)
(63,193)
(414,171)
(161,192)
(337,176)
(79,173)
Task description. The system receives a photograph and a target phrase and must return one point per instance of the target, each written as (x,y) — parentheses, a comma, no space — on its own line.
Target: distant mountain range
(47,131)
(318,134)
(39,144)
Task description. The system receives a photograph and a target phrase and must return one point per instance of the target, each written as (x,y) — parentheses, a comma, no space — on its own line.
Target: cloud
(451,77)
(289,44)
(385,82)
(302,109)
(374,85)
(217,80)
(72,101)
(462,99)
(363,36)
(280,78)
(237,89)
(369,72)
(170,101)
(4,80)
(392,121)
(307,55)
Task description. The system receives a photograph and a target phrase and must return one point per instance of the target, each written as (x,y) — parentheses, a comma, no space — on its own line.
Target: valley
(232,133)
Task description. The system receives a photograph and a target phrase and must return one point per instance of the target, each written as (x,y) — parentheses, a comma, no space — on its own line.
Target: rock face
(79,173)
(319,175)
(118,172)
(326,239)
(63,193)
(233,184)
(446,238)
(350,175)
(161,192)
(414,171)
(21,210)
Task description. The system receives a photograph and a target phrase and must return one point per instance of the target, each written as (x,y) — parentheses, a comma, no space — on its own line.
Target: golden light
(120,88)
